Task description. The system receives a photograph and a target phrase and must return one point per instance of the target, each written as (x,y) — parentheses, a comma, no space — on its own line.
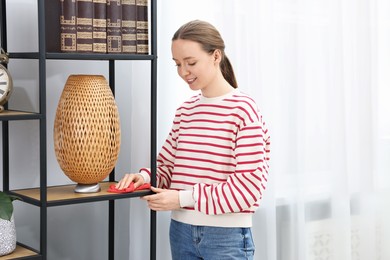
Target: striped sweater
(217,156)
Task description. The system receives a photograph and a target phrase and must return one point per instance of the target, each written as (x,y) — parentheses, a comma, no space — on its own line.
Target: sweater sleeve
(243,188)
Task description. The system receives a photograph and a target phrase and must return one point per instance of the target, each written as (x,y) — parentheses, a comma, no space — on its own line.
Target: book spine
(99,26)
(129,33)
(114,34)
(68,30)
(84,25)
(142,27)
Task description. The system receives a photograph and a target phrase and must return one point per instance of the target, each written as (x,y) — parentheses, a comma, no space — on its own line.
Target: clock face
(5,85)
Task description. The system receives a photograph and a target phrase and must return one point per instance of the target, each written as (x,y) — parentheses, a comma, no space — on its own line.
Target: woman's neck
(217,89)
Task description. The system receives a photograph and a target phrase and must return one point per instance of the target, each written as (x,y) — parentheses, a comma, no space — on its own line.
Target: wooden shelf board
(65,192)
(14,113)
(19,252)
(58,194)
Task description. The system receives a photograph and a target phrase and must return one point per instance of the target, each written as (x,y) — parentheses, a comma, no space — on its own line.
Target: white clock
(6,84)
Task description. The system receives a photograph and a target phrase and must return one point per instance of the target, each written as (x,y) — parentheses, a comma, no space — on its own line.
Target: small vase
(7,236)
(87,131)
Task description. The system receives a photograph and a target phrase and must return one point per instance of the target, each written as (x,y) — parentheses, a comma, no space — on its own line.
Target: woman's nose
(184,71)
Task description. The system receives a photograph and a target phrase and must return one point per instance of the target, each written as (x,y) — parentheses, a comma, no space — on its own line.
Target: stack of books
(104,26)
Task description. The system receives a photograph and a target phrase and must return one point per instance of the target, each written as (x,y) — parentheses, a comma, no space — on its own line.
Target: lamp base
(87,188)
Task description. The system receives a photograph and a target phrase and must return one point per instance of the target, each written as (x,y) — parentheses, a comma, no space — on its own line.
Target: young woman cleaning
(213,167)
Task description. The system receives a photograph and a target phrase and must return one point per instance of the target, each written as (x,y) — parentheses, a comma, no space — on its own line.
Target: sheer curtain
(319,70)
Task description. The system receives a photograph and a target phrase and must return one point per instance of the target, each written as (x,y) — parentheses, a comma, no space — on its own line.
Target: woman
(213,167)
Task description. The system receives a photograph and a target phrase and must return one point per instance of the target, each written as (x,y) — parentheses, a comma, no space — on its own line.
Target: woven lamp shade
(87,129)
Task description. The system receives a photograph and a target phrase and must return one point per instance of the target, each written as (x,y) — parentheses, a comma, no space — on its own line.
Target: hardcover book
(99,26)
(84,25)
(142,27)
(68,25)
(129,32)
(114,34)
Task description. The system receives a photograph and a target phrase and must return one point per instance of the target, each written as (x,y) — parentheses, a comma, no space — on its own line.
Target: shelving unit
(44,196)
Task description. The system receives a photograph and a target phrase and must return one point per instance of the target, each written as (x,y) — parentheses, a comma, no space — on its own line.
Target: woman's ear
(217,55)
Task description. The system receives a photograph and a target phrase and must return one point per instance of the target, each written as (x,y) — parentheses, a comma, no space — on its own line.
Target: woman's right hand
(129,178)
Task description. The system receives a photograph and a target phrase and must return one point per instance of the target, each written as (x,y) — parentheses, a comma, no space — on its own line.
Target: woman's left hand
(164,199)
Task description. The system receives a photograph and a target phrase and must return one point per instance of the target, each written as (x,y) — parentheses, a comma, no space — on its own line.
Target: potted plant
(7,224)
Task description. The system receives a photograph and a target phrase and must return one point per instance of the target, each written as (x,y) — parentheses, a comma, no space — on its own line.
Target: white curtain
(320,72)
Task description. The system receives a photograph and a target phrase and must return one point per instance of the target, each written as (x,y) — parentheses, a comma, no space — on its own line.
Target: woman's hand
(129,178)
(163,199)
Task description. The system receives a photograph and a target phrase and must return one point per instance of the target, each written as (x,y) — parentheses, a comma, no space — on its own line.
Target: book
(99,34)
(114,34)
(68,30)
(84,23)
(142,27)
(129,33)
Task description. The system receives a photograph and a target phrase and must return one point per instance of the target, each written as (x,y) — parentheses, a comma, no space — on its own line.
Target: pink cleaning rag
(129,189)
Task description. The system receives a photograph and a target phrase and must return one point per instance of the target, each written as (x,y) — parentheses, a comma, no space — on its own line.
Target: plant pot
(7,236)
(87,131)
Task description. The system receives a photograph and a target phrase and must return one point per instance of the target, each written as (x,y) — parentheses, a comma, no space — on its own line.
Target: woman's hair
(210,39)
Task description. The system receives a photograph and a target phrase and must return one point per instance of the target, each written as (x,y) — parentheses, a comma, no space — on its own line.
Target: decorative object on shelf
(7,224)
(99,34)
(87,131)
(84,25)
(114,21)
(142,27)
(68,25)
(104,26)
(6,85)
(128,28)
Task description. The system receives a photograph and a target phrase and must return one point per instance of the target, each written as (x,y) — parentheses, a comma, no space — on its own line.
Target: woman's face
(195,66)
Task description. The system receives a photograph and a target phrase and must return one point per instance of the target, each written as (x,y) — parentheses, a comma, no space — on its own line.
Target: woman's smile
(191,80)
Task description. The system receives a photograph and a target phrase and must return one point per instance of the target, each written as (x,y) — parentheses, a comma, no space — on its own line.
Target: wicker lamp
(87,131)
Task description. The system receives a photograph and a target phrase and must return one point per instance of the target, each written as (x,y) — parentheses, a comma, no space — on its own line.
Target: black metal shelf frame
(80,56)
(25,116)
(42,56)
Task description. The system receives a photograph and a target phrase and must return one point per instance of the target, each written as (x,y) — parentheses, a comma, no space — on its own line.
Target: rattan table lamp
(87,131)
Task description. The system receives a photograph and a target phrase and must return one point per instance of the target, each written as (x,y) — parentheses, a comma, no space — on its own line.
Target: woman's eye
(192,64)
(177,65)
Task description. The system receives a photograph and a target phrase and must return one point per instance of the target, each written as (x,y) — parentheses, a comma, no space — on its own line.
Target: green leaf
(6,207)
(13,197)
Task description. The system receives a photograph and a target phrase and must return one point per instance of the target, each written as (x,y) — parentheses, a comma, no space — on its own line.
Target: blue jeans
(210,243)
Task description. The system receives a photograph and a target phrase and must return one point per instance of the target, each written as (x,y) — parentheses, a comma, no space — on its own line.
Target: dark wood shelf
(65,195)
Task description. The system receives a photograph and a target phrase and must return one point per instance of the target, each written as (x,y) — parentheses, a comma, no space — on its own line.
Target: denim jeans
(210,243)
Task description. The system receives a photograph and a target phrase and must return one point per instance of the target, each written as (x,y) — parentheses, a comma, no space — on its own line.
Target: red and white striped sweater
(217,156)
